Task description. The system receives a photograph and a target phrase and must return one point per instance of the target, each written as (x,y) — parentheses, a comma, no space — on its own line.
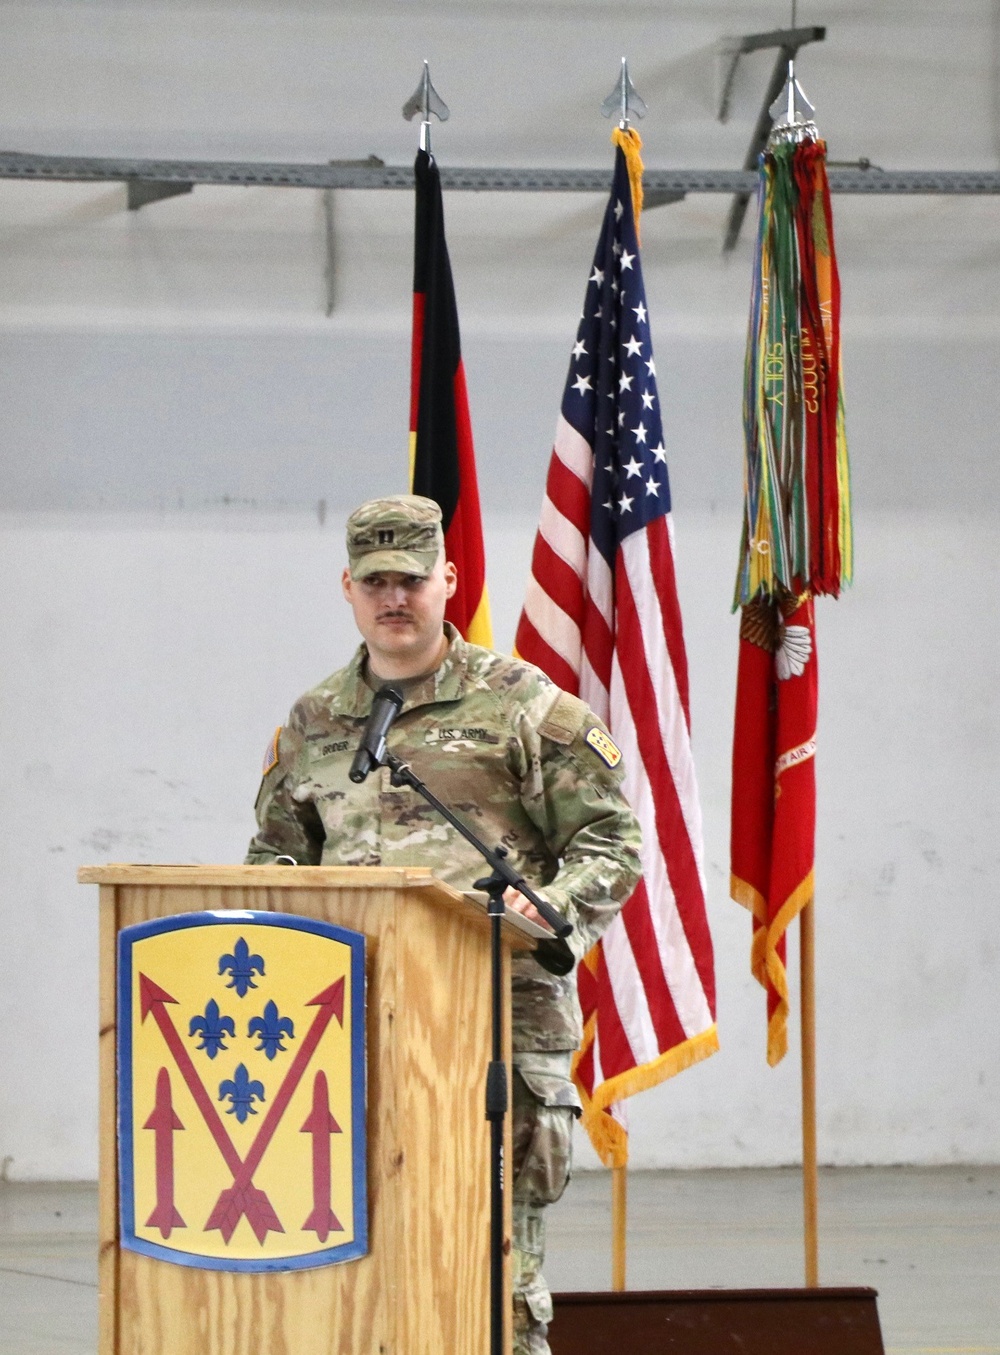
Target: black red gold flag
(442,456)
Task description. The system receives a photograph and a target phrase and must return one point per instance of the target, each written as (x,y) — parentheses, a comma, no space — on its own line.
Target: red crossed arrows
(242,1197)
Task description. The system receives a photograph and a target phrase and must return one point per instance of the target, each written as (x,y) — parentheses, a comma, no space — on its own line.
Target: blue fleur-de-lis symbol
(241,965)
(271,1029)
(241,1093)
(212,1028)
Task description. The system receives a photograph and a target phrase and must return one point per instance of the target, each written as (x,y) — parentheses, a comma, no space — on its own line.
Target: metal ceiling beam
(788,39)
(141,192)
(373,173)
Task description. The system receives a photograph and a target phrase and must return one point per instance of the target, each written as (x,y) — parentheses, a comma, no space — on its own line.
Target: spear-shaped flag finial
(792,112)
(623,100)
(425,100)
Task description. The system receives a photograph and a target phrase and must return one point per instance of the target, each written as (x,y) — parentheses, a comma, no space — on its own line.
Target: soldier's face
(401,617)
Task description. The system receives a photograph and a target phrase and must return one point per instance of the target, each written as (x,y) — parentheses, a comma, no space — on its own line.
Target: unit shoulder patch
(604,746)
(271,753)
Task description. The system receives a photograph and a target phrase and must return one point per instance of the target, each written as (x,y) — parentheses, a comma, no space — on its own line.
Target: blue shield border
(127,937)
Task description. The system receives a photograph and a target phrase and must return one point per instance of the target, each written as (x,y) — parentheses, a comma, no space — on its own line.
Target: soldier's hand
(516,901)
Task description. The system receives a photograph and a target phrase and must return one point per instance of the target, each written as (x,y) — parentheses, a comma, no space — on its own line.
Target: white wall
(184,432)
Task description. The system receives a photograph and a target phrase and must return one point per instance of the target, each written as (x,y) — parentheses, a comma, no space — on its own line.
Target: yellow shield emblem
(241,1091)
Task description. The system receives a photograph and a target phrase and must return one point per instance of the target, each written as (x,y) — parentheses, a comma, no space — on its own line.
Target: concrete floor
(927,1239)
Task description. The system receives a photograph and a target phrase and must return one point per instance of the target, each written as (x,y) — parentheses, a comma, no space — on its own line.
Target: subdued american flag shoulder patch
(271,753)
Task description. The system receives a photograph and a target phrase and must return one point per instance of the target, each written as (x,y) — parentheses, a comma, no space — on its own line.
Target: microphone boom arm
(404,775)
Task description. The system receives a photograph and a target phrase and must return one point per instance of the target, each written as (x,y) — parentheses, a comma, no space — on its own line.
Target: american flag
(602,618)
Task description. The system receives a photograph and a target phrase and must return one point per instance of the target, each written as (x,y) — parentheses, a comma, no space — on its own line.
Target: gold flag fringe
(609,1138)
(629,142)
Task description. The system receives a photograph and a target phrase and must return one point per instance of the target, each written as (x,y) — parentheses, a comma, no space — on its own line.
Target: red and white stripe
(618,642)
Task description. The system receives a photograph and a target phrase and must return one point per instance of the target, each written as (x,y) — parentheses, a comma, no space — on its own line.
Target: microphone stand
(501,875)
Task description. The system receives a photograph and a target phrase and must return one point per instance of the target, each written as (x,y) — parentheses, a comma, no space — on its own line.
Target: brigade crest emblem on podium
(241,1091)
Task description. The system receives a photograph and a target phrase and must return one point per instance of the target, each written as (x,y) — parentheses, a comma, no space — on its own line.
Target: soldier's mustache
(394,613)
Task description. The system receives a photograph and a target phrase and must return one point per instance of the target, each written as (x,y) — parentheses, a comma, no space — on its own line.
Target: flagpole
(627,539)
(623,100)
(442,467)
(807,957)
(798,211)
(619,1221)
(807,961)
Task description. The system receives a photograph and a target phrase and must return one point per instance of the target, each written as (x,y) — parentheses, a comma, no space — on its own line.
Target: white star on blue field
(610,396)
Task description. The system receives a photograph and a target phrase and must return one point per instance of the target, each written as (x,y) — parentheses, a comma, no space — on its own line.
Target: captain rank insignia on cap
(271,753)
(604,746)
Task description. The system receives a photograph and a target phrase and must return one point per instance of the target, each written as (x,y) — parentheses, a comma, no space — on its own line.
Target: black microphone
(386,705)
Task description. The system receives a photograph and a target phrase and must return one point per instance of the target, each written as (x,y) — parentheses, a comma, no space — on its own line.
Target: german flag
(442,458)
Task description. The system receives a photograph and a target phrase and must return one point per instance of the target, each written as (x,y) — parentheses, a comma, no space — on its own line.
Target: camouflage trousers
(544,1106)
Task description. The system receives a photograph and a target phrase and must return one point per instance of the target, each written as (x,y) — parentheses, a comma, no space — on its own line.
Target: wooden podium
(423,1287)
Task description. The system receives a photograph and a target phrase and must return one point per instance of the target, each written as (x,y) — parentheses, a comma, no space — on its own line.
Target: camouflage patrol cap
(401,533)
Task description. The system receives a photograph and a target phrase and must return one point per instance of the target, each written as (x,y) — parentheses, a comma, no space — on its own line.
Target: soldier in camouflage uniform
(525,764)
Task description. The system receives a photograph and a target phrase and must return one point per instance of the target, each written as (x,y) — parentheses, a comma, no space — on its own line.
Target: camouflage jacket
(524,764)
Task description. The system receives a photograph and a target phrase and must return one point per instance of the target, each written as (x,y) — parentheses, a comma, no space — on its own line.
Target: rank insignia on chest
(241,1091)
(604,746)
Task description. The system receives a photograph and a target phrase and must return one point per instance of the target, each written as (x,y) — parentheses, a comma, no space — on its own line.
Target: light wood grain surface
(424,1286)
(518,933)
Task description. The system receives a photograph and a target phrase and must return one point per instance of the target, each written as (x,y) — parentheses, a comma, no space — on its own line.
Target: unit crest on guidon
(241,1091)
